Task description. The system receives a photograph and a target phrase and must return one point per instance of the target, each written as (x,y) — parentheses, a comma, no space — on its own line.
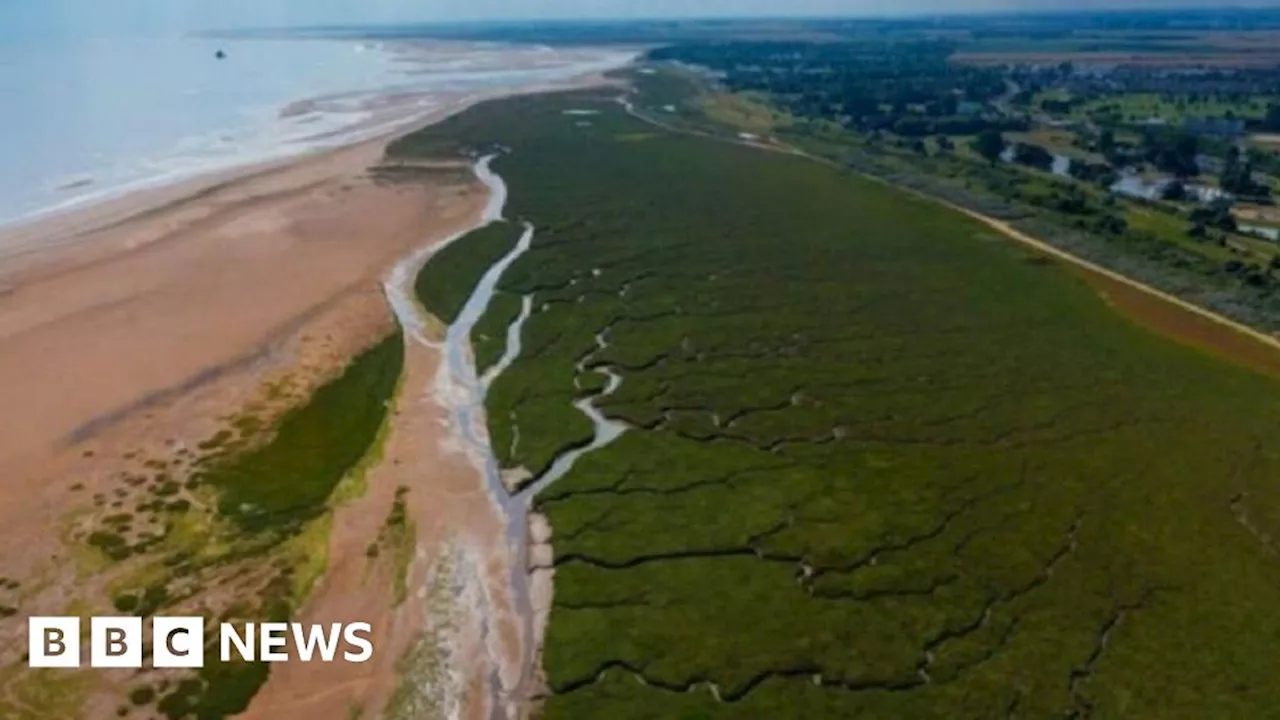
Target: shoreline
(54,243)
(265,131)
(58,229)
(390,111)
(134,329)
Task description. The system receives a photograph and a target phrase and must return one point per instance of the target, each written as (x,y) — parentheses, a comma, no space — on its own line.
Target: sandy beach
(139,338)
(136,327)
(456,618)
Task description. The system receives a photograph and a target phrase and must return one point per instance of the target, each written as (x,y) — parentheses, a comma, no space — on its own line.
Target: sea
(90,117)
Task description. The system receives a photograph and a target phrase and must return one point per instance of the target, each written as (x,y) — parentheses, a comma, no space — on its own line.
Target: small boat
(220,55)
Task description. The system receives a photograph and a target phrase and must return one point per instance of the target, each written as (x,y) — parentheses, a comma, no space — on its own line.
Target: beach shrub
(142,695)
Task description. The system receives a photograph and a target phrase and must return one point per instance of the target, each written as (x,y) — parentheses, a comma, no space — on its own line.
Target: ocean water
(91,117)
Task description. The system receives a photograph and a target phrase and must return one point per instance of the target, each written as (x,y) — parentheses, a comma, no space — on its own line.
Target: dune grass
(883,462)
(273,502)
(288,480)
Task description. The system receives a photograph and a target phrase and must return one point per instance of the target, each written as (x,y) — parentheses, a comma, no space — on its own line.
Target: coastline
(135,327)
(53,231)
(176,114)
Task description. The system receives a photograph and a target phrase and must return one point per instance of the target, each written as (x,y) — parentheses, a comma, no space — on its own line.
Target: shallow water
(514,345)
(606,430)
(464,394)
(92,117)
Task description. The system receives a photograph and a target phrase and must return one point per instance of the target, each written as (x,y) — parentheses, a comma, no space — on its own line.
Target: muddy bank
(527,535)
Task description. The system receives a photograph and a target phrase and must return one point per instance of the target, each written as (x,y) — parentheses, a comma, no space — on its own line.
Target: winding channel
(606,430)
(463,393)
(513,343)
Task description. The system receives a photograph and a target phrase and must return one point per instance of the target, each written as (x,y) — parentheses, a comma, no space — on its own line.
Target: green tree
(989,144)
(1032,156)
(1272,121)
(1174,191)
(1237,176)
(1106,141)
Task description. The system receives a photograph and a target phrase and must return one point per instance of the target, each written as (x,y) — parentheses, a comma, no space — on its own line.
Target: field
(751,113)
(882,462)
(1262,59)
(1166,47)
(1136,107)
(1055,140)
(675,96)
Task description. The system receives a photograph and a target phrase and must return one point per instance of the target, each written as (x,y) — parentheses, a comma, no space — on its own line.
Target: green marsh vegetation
(1226,272)
(446,281)
(396,541)
(883,462)
(489,336)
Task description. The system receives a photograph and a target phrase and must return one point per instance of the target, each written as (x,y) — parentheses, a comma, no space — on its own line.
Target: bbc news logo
(179,642)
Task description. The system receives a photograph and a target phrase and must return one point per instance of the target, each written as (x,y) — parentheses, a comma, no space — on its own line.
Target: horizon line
(1205,9)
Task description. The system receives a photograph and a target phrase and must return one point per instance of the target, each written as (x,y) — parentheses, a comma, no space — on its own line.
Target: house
(1207,194)
(1209,164)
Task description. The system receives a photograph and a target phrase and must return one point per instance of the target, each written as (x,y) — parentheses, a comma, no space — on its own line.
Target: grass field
(678,97)
(1055,140)
(1165,48)
(883,462)
(1136,107)
(748,111)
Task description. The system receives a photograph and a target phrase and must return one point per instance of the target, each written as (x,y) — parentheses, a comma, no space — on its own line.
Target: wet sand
(455,611)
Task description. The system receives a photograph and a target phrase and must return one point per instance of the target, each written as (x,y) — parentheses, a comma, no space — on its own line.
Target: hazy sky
(30,16)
